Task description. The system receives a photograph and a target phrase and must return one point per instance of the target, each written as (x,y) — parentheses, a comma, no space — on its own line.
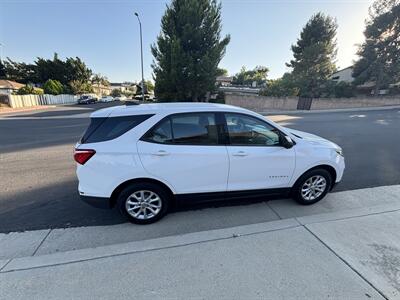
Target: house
(118,86)
(344,75)
(224,80)
(7,87)
(367,88)
(101,90)
(124,87)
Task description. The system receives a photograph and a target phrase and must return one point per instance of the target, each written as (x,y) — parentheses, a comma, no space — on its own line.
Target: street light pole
(141,52)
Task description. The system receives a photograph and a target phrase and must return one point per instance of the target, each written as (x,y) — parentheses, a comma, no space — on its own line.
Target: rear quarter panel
(115,162)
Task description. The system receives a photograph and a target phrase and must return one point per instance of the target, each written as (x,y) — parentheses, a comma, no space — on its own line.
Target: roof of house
(8,84)
(224,78)
(349,67)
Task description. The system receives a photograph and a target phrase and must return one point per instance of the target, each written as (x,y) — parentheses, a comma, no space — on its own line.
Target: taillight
(81,156)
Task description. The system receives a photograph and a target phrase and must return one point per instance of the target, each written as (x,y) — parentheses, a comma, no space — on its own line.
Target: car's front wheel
(312,186)
(143,203)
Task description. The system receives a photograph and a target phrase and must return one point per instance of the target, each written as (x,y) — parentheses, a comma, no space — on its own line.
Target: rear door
(257,160)
(185,151)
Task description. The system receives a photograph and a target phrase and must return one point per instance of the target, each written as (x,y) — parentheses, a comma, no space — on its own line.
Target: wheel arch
(122,186)
(329,168)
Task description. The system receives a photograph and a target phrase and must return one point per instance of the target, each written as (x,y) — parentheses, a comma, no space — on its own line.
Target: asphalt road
(39,187)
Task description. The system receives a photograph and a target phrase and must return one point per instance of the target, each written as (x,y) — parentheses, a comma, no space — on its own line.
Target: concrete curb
(31,262)
(76,256)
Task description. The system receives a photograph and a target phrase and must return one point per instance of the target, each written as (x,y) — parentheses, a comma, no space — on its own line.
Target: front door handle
(240,153)
(161,153)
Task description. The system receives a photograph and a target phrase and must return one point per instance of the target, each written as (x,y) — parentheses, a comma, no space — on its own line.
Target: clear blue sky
(105,33)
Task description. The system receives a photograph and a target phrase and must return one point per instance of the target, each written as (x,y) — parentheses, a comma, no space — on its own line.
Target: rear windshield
(105,129)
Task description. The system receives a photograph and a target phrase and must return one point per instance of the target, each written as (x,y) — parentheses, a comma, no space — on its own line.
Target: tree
(72,69)
(80,87)
(188,50)
(222,72)
(21,72)
(149,86)
(99,79)
(116,93)
(379,55)
(53,87)
(247,77)
(47,69)
(314,55)
(2,70)
(281,87)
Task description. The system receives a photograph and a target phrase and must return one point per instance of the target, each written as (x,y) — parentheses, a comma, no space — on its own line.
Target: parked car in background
(121,98)
(87,99)
(139,97)
(106,99)
(144,157)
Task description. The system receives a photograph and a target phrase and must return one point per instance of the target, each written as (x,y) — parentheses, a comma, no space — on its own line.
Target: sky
(105,33)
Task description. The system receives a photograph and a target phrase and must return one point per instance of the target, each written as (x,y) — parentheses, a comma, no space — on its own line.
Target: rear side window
(105,129)
(161,133)
(185,129)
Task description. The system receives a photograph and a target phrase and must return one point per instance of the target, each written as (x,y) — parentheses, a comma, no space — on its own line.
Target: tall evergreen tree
(188,50)
(2,70)
(379,60)
(314,55)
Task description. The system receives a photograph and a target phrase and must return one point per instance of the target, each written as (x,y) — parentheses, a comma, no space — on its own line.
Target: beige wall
(354,102)
(263,104)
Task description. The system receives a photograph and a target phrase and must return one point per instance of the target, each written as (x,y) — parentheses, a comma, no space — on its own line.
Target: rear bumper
(99,202)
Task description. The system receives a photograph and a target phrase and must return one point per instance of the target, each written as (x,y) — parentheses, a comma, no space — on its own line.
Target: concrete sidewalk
(48,241)
(342,254)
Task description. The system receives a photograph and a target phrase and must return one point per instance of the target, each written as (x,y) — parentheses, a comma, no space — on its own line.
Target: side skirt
(231,195)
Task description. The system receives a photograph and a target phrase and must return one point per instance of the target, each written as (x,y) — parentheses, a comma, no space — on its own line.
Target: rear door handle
(240,153)
(161,153)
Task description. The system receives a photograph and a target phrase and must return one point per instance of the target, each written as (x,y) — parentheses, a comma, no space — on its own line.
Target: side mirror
(286,141)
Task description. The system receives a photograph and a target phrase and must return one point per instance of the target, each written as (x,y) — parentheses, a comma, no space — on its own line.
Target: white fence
(17,101)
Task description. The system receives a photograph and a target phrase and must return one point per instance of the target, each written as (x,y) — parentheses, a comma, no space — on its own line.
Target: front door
(257,161)
(184,151)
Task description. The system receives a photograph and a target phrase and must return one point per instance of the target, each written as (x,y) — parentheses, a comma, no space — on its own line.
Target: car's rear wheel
(312,186)
(143,203)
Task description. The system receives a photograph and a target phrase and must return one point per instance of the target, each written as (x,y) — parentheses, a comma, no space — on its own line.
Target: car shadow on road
(58,206)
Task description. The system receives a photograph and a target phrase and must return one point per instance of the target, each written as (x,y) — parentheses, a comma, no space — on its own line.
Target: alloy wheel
(313,187)
(143,205)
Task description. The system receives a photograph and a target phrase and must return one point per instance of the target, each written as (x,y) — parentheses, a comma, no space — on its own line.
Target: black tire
(162,194)
(297,188)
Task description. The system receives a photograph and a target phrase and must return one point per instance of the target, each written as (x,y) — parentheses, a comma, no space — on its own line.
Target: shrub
(219,99)
(282,87)
(340,89)
(116,93)
(344,90)
(26,90)
(53,87)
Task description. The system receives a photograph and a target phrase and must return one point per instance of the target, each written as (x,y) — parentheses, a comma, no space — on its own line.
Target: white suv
(144,157)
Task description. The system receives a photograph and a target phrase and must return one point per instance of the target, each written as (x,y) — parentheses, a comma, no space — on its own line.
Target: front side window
(249,131)
(185,129)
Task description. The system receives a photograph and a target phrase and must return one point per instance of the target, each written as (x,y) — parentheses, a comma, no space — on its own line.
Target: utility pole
(141,53)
